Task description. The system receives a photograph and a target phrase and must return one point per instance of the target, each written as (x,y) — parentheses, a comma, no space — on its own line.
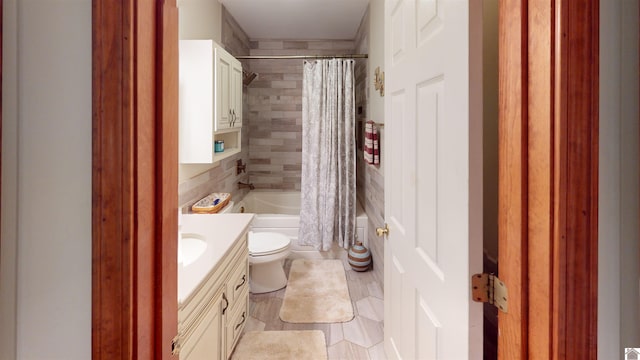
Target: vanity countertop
(220,231)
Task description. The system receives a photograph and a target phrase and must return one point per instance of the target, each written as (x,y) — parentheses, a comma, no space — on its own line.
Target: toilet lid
(264,243)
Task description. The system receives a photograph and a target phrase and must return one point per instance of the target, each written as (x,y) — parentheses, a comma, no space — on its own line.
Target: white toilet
(267,251)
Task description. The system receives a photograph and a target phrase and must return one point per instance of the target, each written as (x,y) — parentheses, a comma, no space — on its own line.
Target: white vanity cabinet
(210,102)
(204,339)
(211,319)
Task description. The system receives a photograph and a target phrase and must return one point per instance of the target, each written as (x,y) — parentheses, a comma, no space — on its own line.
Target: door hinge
(175,345)
(488,288)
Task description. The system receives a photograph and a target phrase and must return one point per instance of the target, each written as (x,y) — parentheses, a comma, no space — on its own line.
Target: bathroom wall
(196,181)
(362,108)
(233,38)
(629,176)
(275,110)
(370,179)
(200,19)
(618,263)
(45,254)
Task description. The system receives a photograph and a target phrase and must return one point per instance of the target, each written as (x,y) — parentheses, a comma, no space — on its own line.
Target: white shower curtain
(328,189)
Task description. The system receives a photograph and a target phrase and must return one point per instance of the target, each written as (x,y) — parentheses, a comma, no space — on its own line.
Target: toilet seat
(266,243)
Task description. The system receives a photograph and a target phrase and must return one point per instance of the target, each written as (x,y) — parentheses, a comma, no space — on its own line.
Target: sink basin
(190,248)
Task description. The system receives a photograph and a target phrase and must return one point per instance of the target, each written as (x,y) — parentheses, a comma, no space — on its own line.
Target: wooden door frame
(548,178)
(548,165)
(135,179)
(1,82)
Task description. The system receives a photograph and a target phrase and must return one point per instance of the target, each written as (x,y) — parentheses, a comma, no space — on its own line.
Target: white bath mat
(316,292)
(267,345)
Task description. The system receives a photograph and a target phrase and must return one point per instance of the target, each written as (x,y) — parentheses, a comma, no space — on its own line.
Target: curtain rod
(275,57)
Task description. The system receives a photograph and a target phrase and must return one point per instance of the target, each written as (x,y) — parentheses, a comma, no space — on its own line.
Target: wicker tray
(211,204)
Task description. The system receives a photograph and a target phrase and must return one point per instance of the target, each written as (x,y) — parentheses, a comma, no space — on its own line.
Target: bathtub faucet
(240,167)
(244,185)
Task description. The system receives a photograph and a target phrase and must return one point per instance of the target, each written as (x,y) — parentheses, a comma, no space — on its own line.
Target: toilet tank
(227,209)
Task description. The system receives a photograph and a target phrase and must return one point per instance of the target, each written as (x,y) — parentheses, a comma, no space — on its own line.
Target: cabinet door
(224,94)
(236,88)
(206,341)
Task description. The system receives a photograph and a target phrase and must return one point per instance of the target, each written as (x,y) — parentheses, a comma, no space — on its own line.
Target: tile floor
(360,338)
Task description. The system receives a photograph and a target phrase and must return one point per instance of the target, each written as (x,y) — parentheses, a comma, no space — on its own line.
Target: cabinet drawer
(238,319)
(239,280)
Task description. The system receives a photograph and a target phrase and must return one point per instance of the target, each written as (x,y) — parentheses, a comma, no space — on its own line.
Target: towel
(371,144)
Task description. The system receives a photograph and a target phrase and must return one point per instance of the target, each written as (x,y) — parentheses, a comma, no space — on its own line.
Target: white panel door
(431,180)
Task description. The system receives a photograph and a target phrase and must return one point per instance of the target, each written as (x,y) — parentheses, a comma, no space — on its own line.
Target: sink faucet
(244,185)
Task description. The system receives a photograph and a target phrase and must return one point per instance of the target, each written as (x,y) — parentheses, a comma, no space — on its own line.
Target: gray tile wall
(275,110)
(234,39)
(369,178)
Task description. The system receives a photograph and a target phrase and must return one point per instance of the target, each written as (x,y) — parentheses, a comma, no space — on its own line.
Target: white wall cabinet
(229,96)
(211,320)
(210,102)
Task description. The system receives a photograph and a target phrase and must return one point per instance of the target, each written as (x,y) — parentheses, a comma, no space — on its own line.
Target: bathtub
(279,211)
